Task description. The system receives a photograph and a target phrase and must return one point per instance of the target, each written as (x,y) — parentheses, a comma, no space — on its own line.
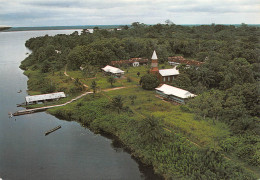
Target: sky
(17,13)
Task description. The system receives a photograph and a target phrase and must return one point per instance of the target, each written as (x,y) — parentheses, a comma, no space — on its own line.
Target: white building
(172,63)
(44,97)
(168,75)
(113,71)
(173,93)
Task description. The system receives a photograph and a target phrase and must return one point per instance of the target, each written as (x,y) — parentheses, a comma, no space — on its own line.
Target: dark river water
(72,152)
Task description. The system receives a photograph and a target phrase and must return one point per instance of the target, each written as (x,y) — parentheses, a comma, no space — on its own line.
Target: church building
(164,75)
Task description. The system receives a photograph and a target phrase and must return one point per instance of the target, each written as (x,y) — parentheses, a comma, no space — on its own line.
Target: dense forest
(227,83)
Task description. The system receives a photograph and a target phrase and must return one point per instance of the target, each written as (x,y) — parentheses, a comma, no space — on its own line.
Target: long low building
(176,60)
(44,97)
(113,70)
(173,93)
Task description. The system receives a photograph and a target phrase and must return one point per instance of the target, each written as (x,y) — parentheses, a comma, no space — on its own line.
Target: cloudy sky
(106,12)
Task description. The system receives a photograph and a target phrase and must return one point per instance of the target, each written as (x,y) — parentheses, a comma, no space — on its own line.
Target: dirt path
(65,73)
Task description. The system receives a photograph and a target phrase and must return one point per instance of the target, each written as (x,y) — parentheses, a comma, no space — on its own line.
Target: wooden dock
(52,130)
(18,113)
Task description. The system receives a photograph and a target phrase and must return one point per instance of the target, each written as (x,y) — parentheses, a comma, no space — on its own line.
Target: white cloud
(84,12)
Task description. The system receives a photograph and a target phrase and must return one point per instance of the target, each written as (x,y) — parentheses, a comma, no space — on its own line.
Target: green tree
(111,80)
(45,67)
(149,81)
(76,57)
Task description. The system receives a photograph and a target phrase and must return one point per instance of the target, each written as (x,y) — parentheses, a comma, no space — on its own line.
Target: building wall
(166,79)
(113,74)
(154,63)
(172,98)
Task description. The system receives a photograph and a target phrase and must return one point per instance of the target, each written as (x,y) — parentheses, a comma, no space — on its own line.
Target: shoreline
(117,143)
(41,30)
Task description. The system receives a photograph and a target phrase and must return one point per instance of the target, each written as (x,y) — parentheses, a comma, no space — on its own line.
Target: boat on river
(52,130)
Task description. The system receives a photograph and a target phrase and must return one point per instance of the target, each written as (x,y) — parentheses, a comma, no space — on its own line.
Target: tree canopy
(149,81)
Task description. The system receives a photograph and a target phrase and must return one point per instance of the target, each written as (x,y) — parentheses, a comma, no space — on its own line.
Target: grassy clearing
(201,131)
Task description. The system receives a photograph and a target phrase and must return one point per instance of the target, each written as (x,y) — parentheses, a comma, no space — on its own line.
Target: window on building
(169,78)
(172,78)
(164,79)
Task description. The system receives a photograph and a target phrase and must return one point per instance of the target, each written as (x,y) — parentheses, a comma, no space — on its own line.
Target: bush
(129,79)
(149,81)
(184,108)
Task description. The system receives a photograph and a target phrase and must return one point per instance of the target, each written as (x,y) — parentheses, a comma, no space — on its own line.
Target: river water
(71,152)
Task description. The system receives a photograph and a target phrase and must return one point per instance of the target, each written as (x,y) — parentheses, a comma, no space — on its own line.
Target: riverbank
(169,153)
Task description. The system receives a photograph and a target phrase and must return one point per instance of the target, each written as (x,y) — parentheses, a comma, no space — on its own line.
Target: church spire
(154,55)
(154,64)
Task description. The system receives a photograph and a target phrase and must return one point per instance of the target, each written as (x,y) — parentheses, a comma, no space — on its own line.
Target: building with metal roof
(44,97)
(173,93)
(113,71)
(168,75)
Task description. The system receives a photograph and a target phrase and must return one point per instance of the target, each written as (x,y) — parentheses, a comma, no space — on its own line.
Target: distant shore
(60,28)
(42,28)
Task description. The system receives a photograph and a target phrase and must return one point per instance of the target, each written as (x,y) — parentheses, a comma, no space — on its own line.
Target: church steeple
(154,55)
(154,64)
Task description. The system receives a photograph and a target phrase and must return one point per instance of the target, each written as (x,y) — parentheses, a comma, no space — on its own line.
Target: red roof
(182,60)
(129,61)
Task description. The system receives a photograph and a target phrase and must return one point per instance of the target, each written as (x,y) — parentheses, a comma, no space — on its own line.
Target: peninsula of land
(182,99)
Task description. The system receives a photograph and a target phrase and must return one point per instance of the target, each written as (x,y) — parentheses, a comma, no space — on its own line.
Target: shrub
(149,81)
(129,79)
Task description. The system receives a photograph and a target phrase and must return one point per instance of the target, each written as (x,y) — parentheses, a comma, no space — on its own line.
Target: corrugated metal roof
(169,72)
(42,97)
(154,55)
(112,69)
(170,90)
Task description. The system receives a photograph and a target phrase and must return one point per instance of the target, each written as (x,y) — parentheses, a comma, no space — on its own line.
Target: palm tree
(132,98)
(94,87)
(117,102)
(151,129)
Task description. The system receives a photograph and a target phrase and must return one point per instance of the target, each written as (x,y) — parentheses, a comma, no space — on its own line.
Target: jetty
(52,130)
(18,113)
